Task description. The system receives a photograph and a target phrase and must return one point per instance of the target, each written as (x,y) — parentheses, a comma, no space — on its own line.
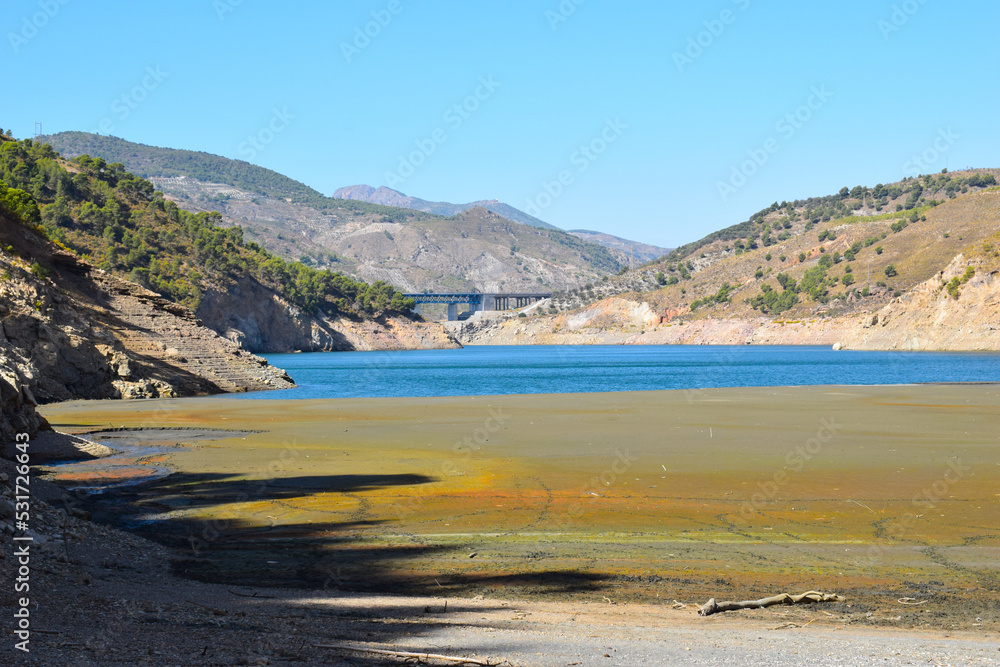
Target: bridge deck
(479,300)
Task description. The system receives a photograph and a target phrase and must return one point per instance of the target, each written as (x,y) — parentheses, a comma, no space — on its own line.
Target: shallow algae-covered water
(880,493)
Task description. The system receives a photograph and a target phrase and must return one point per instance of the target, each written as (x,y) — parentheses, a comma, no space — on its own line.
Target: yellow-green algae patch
(728,492)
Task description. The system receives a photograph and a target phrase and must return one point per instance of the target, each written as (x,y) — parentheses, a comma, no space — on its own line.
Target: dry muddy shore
(558,522)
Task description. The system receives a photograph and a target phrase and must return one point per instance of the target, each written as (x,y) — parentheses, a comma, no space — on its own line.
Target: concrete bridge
(478,301)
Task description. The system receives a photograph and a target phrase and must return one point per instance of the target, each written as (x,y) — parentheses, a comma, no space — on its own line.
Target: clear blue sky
(678,128)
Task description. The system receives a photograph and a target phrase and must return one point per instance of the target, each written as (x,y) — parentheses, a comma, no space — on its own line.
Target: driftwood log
(810,597)
(408,654)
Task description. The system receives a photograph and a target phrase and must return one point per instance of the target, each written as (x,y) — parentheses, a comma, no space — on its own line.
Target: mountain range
(473,247)
(389,197)
(910,264)
(627,251)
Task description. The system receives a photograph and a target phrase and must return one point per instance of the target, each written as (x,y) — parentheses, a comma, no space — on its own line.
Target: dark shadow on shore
(333,557)
(201,490)
(329,559)
(318,556)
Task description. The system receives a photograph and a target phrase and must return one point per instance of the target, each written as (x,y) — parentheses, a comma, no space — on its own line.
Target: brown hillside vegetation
(838,271)
(917,252)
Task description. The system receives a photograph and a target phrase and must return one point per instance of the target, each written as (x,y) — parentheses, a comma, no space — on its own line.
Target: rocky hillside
(912,257)
(17,403)
(69,330)
(817,257)
(118,223)
(257,318)
(82,333)
(476,249)
(473,250)
(626,252)
(411,249)
(959,309)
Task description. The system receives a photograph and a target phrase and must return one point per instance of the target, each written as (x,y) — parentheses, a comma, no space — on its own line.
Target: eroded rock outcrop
(68,330)
(17,405)
(930,317)
(260,320)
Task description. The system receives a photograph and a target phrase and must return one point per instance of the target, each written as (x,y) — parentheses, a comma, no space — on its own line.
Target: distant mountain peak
(389,197)
(625,249)
(381,195)
(354,192)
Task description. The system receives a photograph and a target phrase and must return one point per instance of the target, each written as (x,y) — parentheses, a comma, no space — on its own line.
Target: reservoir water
(488,370)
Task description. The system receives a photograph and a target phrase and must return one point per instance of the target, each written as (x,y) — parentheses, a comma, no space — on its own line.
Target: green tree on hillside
(121,224)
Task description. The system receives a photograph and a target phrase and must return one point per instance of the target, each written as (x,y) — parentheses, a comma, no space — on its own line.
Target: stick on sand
(406,654)
(810,597)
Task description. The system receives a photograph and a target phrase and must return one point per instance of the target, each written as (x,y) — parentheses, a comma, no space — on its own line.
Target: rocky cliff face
(17,404)
(256,318)
(930,317)
(80,333)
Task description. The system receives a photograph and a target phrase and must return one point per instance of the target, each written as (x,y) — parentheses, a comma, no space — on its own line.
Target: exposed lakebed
(877,493)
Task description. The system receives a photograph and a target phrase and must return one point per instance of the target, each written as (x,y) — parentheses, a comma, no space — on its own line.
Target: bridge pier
(452,312)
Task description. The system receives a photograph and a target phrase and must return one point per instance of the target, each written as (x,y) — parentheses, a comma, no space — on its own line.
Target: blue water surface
(489,370)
